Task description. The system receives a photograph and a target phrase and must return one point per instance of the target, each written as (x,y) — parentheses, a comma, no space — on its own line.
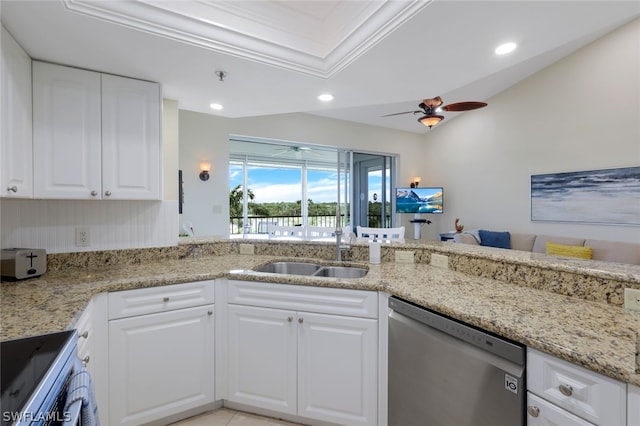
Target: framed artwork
(609,196)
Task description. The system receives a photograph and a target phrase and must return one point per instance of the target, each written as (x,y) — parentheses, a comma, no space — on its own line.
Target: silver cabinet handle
(85,360)
(12,189)
(94,193)
(290,319)
(566,390)
(83,335)
(300,320)
(107,193)
(209,313)
(165,299)
(533,411)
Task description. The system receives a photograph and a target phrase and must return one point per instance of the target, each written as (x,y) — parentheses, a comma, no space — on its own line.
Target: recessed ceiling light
(326,97)
(505,48)
(216,107)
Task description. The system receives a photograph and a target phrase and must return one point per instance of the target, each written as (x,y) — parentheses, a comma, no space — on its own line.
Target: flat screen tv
(419,200)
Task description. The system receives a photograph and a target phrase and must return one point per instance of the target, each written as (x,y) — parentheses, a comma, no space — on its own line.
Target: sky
(275,185)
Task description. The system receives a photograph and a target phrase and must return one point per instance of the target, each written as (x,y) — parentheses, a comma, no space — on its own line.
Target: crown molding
(319,42)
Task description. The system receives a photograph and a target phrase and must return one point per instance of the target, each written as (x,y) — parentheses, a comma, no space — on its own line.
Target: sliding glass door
(373,190)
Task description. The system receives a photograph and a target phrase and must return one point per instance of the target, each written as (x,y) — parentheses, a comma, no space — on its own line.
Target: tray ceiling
(313,37)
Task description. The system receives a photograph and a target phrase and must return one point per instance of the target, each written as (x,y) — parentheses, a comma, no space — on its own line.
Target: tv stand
(417,225)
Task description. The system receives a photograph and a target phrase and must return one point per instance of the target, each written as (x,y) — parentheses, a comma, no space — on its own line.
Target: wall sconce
(415,182)
(204,171)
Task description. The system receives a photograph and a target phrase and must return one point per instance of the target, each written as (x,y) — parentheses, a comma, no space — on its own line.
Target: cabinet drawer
(587,394)
(85,337)
(543,413)
(130,303)
(336,301)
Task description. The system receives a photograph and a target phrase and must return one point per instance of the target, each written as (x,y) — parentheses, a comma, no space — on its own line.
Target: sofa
(607,251)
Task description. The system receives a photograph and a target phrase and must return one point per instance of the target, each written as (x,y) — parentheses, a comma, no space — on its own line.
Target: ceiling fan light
(430,120)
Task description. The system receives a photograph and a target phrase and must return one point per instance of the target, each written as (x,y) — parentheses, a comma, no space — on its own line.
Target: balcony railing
(260,224)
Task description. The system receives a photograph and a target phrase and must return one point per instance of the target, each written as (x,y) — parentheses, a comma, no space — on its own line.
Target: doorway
(373,182)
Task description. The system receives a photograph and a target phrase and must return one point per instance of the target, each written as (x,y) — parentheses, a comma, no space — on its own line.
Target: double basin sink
(312,269)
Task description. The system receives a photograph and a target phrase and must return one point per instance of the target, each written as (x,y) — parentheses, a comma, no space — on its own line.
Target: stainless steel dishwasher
(446,373)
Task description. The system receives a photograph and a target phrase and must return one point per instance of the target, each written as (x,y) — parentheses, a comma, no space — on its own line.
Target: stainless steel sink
(312,269)
(341,272)
(291,268)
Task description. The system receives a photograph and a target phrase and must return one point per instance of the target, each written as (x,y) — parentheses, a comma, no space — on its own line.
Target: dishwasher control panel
(485,341)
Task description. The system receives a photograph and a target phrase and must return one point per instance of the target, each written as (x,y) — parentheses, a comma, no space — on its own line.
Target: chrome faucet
(339,246)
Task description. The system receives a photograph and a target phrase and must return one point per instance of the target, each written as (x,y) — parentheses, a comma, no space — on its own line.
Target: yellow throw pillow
(570,251)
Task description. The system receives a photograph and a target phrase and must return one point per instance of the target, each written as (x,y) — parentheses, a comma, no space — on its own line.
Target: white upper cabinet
(96,136)
(66,132)
(16,169)
(130,138)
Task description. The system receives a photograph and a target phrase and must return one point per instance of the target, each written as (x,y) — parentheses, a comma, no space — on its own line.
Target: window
(279,176)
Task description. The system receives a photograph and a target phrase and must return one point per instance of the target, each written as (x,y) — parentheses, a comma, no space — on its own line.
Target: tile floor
(227,417)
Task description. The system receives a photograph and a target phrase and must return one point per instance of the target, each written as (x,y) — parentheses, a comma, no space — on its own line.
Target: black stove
(34,371)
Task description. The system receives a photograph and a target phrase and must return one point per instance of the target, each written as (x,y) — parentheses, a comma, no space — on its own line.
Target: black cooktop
(24,363)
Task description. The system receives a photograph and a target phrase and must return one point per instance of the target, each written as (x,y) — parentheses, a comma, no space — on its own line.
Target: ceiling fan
(431,107)
(296,151)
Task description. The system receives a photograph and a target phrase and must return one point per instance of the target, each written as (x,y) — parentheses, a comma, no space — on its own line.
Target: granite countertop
(598,336)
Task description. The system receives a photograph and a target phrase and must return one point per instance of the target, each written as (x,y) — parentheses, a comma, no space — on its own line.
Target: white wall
(204,137)
(582,113)
(170,148)
(51,224)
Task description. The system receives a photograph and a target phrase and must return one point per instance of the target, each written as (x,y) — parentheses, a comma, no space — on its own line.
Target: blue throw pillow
(495,239)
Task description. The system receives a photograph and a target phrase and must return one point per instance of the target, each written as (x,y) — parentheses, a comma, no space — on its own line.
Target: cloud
(266,192)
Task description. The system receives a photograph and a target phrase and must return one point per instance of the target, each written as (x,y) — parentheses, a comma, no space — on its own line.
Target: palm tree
(235,200)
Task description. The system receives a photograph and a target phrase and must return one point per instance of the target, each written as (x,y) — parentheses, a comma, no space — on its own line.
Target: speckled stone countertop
(598,336)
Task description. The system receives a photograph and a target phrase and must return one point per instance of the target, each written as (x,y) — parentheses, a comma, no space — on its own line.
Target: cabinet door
(633,405)
(338,369)
(261,354)
(66,132)
(16,143)
(130,139)
(160,364)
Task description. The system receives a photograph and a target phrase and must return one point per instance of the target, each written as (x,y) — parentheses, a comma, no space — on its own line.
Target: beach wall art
(608,196)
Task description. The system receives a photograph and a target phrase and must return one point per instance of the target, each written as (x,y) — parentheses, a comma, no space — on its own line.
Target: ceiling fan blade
(433,102)
(463,106)
(406,112)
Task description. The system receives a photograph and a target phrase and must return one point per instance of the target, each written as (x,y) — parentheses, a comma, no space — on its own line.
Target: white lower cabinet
(160,363)
(633,405)
(262,356)
(337,368)
(310,364)
(572,393)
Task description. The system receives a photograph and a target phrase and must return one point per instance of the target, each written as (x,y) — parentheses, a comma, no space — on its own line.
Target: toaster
(20,263)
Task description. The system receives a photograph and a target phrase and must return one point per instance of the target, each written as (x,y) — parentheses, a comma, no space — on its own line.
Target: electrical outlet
(247,248)
(403,256)
(632,299)
(82,236)
(439,261)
